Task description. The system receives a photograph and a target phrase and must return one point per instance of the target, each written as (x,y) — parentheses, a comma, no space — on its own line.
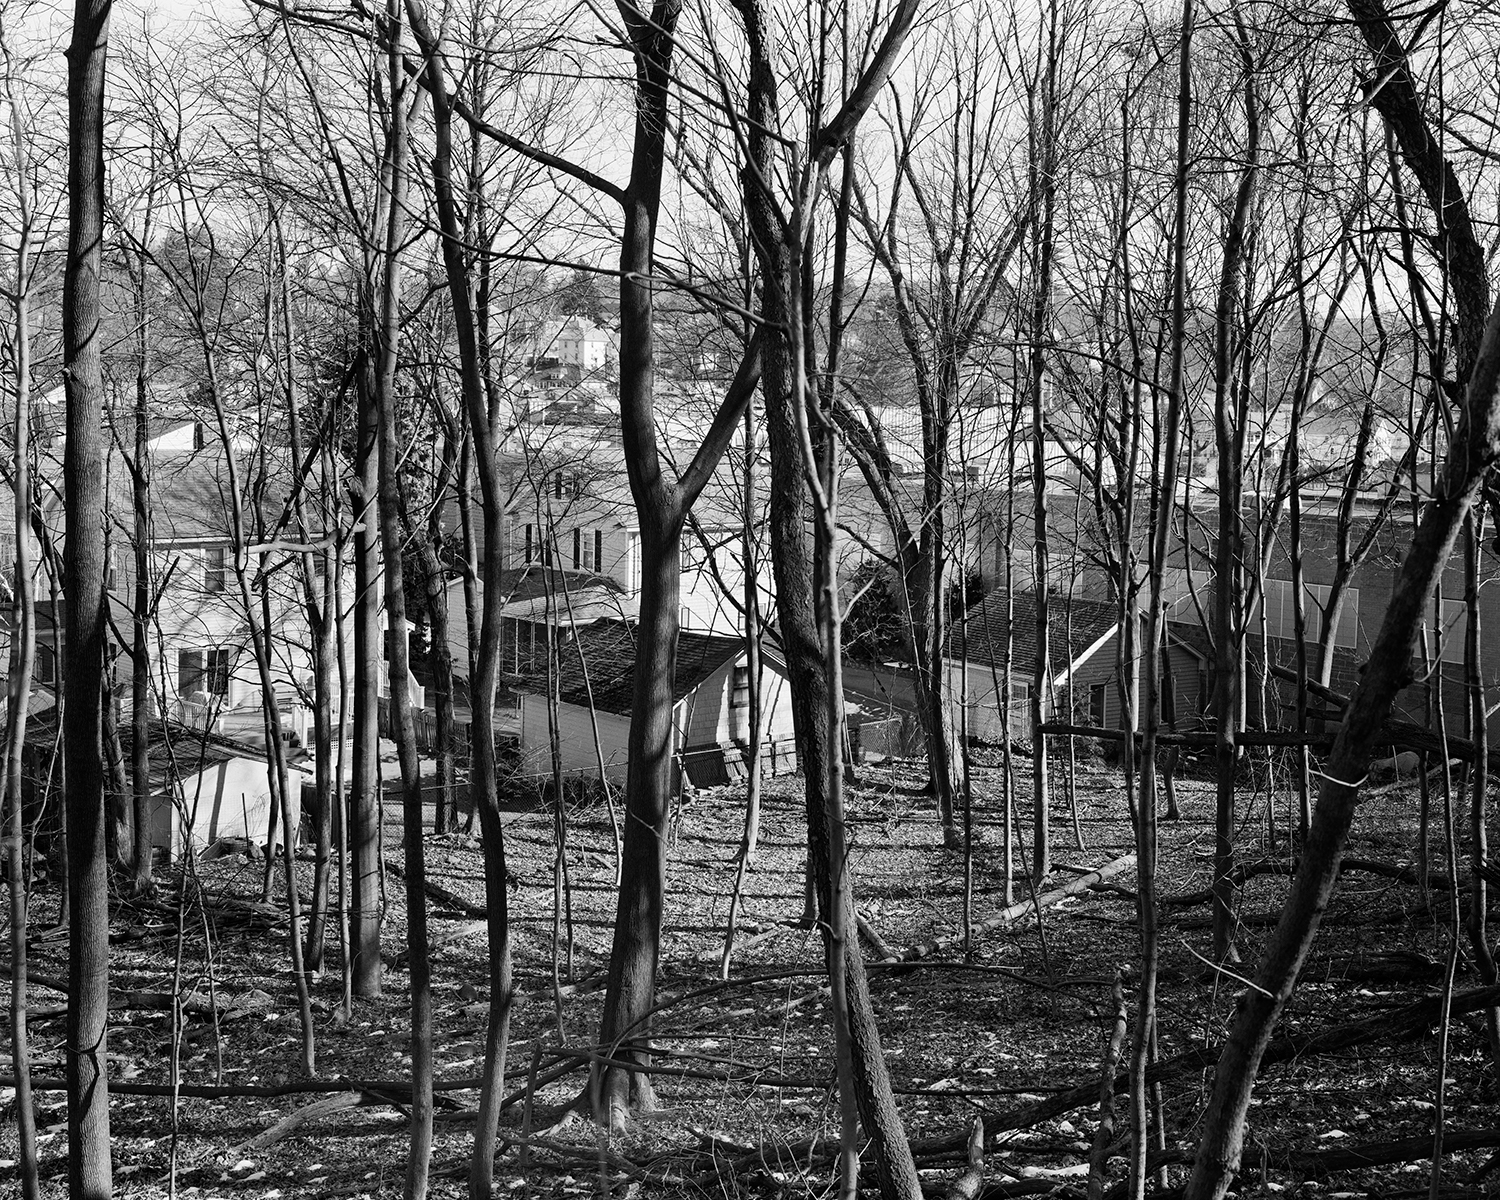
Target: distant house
(710,697)
(1082,640)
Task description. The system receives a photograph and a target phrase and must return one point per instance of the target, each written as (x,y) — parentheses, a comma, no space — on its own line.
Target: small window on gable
(213,569)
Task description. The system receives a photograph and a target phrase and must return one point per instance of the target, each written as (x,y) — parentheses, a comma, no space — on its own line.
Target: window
(1020,709)
(213,569)
(588,549)
(111,578)
(203,671)
(1098,694)
(189,672)
(739,702)
(1281,615)
(530,544)
(216,674)
(557,486)
(46,665)
(1454,630)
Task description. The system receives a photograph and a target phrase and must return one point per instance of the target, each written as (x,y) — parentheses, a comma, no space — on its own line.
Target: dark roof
(1073,626)
(598,662)
(534,581)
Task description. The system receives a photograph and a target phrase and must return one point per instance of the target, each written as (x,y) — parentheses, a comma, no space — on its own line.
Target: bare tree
(89,1167)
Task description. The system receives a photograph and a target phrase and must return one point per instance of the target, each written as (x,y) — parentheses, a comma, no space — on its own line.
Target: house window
(1097,696)
(111,574)
(213,569)
(216,673)
(588,549)
(189,672)
(1281,614)
(46,665)
(530,544)
(739,702)
(203,671)
(557,486)
(1454,631)
(1020,709)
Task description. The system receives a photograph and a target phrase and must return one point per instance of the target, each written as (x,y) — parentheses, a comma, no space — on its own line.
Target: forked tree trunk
(784,287)
(484,650)
(89,1168)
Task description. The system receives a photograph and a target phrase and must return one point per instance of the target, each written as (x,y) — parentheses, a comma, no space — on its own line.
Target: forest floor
(755,1113)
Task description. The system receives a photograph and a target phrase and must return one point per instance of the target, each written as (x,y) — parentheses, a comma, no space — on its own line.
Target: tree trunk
(365,914)
(89,1168)
(140,651)
(387,347)
(484,650)
(22,663)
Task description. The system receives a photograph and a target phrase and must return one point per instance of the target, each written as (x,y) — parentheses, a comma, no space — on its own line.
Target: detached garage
(710,705)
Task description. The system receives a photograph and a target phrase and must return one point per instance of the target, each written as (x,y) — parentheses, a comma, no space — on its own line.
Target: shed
(207,788)
(710,697)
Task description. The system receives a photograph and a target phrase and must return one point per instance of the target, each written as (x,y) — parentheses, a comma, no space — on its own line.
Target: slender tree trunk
(140,652)
(22,662)
(484,650)
(1229,431)
(387,346)
(1479,782)
(365,801)
(89,1168)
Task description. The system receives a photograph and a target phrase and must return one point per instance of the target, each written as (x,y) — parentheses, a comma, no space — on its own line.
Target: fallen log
(1244,872)
(1331,1162)
(1396,1024)
(1021,908)
(442,895)
(1167,737)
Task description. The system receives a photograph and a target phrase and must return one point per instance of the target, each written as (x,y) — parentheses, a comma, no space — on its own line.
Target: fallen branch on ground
(1022,908)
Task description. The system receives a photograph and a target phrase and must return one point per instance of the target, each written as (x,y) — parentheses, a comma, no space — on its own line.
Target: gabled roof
(1075,629)
(598,663)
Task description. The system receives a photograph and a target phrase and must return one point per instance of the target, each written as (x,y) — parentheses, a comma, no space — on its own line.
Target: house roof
(598,663)
(1075,627)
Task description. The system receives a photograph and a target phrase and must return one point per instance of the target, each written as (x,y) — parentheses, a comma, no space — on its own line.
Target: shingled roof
(1075,626)
(598,663)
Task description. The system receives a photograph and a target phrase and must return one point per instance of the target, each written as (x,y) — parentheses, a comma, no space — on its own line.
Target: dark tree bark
(89,1168)
(785,279)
